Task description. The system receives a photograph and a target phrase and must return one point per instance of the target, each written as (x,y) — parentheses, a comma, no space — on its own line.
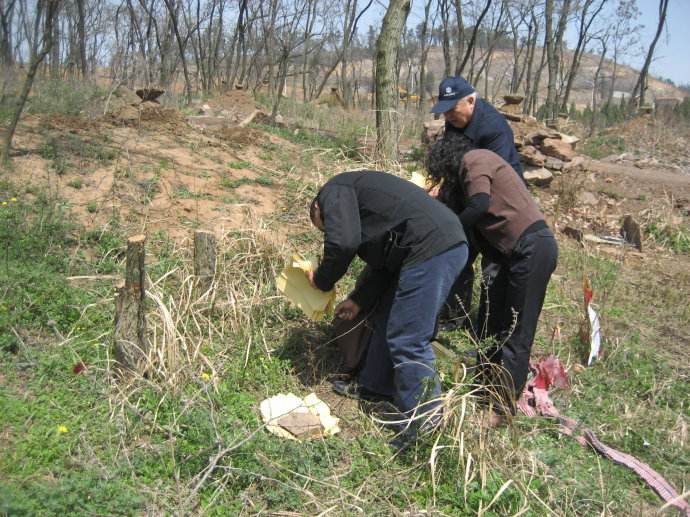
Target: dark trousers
(400,361)
(510,308)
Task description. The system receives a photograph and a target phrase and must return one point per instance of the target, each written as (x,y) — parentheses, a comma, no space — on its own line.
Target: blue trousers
(400,361)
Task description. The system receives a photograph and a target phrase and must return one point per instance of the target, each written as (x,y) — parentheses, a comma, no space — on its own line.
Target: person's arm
(342,234)
(475,208)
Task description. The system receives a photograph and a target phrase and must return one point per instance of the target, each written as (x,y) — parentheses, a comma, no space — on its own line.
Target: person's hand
(310,276)
(434,191)
(347,310)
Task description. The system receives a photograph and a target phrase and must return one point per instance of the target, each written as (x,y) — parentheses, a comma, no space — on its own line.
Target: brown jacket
(511,209)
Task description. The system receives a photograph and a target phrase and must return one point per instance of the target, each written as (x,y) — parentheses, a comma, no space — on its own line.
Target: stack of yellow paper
(294,284)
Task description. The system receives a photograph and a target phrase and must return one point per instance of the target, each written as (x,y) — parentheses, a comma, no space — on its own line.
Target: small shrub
(675,238)
(92,207)
(76,183)
(604,145)
(234,183)
(240,164)
(264,180)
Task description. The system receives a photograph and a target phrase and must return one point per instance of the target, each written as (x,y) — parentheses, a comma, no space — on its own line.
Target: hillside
(501,69)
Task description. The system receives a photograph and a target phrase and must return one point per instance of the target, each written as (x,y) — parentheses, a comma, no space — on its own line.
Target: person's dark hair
(444,164)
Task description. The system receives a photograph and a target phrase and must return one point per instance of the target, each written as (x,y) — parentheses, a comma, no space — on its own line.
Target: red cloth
(535,401)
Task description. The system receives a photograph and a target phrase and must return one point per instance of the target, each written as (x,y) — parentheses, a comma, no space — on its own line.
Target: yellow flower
(62,429)
(205,376)
(4,203)
(13,199)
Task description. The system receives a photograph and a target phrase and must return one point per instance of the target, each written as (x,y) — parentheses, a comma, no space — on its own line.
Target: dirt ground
(145,167)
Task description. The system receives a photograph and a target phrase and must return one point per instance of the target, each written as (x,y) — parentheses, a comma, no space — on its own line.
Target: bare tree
(640,88)
(603,40)
(590,11)
(6,16)
(624,37)
(554,53)
(473,38)
(43,31)
(173,11)
(424,54)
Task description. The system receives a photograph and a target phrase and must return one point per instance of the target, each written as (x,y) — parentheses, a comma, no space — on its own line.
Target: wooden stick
(204,259)
(131,348)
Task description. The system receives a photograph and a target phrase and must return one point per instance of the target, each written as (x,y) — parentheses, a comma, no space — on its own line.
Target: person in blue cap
(468,114)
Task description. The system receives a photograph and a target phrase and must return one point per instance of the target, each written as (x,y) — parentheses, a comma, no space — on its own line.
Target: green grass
(240,164)
(675,238)
(140,445)
(183,192)
(604,145)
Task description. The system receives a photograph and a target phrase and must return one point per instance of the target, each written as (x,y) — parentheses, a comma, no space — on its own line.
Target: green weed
(604,145)
(76,183)
(240,164)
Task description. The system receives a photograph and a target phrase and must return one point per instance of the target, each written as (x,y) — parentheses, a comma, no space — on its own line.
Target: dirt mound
(235,105)
(121,97)
(147,114)
(241,135)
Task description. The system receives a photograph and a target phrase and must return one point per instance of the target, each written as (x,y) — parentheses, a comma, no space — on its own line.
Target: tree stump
(204,260)
(131,349)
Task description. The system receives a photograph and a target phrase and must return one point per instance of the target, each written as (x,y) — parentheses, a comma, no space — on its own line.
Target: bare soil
(146,168)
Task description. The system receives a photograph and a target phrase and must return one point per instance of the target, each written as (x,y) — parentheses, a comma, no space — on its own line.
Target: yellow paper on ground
(420,180)
(294,284)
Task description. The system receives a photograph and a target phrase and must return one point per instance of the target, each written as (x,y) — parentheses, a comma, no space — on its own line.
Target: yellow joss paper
(294,284)
(420,180)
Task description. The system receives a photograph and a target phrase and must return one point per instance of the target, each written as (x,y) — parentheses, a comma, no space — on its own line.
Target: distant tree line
(305,46)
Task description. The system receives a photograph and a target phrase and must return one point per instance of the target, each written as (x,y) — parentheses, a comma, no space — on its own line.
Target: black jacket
(488,129)
(387,221)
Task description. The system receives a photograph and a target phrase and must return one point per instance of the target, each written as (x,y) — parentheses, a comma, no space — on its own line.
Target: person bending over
(515,241)
(414,248)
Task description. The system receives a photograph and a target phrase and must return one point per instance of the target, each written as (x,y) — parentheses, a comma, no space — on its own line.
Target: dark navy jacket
(387,221)
(488,129)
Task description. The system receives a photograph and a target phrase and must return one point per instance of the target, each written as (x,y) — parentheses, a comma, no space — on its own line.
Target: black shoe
(356,391)
(449,326)
(403,441)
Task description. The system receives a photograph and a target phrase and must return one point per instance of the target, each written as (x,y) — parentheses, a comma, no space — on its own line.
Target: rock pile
(545,152)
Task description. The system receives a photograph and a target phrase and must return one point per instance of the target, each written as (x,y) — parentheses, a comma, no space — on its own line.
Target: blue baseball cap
(450,91)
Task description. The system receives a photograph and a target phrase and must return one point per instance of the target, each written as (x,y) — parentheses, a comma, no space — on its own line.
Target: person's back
(372,214)
(488,129)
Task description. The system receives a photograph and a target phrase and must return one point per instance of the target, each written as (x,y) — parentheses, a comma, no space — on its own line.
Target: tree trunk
(204,260)
(592,125)
(81,36)
(6,15)
(46,12)
(445,33)
(181,48)
(387,48)
(551,62)
(424,45)
(641,84)
(460,33)
(580,48)
(473,38)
